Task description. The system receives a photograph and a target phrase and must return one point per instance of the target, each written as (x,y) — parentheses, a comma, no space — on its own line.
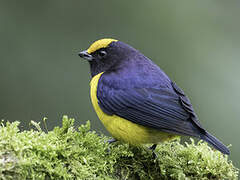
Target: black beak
(85,55)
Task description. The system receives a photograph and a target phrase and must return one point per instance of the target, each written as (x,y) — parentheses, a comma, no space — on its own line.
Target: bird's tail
(215,143)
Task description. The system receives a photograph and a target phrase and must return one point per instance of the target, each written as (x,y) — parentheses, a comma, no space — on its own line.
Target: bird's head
(107,55)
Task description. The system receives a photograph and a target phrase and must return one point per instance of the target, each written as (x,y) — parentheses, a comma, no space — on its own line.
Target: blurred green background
(196,43)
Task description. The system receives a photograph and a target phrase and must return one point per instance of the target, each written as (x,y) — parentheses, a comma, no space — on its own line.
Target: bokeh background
(197,43)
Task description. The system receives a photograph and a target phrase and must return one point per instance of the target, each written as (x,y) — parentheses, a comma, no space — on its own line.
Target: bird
(135,99)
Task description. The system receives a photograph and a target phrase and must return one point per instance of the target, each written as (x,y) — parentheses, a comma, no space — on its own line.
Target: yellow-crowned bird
(136,101)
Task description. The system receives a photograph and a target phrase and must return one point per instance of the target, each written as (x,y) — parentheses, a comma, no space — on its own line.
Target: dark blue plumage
(138,90)
(134,88)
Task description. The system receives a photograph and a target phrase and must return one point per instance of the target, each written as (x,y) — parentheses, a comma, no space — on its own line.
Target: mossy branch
(67,153)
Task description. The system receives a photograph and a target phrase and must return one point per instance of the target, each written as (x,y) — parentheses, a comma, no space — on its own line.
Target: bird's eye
(102,54)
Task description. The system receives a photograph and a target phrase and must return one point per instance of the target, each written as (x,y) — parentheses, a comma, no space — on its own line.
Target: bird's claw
(153,147)
(110,141)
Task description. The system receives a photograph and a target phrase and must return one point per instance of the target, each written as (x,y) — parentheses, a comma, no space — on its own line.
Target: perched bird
(136,101)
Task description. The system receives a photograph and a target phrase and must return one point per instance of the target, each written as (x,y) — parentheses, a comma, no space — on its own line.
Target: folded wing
(165,109)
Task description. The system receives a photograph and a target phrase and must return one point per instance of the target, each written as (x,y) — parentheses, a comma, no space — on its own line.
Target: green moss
(67,153)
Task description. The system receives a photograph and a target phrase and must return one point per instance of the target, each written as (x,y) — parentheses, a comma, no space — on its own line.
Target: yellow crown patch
(102,43)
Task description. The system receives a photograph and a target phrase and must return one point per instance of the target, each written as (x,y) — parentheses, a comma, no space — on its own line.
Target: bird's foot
(110,141)
(153,147)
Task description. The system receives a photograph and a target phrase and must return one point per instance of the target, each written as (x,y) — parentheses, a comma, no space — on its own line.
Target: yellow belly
(122,129)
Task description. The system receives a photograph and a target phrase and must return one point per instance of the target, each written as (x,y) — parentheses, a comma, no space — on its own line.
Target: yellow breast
(122,129)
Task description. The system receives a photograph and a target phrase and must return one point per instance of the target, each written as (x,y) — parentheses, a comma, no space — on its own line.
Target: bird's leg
(153,147)
(110,141)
